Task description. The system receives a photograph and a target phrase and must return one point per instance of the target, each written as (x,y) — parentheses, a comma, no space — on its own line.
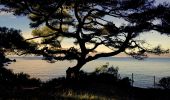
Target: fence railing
(137,80)
(142,80)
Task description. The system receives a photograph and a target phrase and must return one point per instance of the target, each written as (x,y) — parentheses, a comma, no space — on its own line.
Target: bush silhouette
(9,79)
(102,76)
(164,82)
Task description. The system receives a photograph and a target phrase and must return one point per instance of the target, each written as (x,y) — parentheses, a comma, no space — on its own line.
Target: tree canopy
(11,41)
(9,38)
(91,23)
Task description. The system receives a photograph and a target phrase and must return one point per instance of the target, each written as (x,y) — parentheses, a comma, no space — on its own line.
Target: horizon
(117,56)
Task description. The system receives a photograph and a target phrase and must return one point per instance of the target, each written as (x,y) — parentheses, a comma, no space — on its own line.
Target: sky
(22,23)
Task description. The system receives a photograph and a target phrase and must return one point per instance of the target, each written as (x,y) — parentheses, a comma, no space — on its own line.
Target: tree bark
(73,72)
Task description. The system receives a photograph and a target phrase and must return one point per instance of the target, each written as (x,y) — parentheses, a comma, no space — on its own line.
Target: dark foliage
(164,83)
(12,42)
(101,77)
(3,59)
(9,79)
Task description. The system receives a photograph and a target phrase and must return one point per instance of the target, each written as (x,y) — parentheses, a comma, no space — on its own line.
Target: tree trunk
(73,72)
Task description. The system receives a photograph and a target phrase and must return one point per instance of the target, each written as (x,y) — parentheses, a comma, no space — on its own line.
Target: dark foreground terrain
(93,86)
(87,91)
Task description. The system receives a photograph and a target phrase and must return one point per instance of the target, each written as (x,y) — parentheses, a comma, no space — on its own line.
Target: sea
(144,73)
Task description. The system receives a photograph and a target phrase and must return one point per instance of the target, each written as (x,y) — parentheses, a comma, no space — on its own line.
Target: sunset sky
(22,23)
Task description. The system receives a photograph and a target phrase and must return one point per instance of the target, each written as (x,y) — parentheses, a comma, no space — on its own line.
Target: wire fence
(142,80)
(137,80)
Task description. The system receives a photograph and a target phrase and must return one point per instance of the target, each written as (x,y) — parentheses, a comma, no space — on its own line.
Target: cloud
(5,14)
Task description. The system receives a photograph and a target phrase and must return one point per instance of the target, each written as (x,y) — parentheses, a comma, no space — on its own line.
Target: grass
(71,94)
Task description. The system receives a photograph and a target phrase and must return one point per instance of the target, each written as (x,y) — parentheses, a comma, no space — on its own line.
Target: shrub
(105,69)
(125,82)
(104,74)
(10,79)
(23,79)
(164,82)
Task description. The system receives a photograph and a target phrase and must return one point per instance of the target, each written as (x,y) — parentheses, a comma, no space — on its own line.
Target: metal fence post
(132,80)
(154,81)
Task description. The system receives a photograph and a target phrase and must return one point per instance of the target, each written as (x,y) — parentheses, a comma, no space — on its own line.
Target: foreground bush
(105,76)
(9,79)
(164,82)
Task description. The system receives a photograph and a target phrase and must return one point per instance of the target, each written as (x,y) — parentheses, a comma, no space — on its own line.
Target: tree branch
(40,37)
(121,49)
(78,32)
